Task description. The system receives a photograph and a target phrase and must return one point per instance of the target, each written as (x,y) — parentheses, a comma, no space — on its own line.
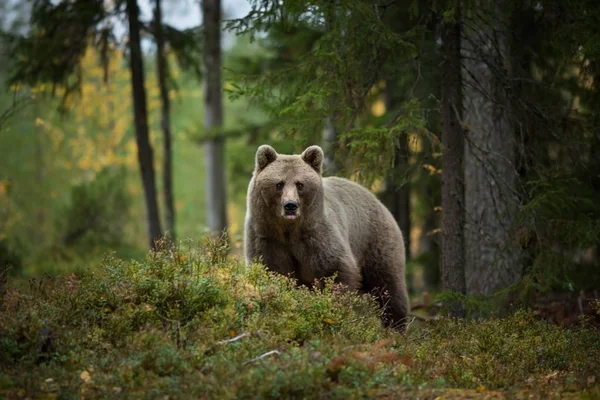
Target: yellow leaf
(328,321)
(434,232)
(232,332)
(3,188)
(432,170)
(85,377)
(378,108)
(481,388)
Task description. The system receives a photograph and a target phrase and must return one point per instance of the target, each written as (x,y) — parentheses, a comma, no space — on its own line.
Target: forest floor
(189,323)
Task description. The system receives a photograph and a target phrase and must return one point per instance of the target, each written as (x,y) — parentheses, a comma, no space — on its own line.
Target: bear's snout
(290,208)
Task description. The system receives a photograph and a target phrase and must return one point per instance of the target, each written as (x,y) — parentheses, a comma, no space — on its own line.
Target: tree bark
(106,78)
(329,144)
(429,246)
(40,177)
(397,196)
(145,154)
(453,272)
(165,121)
(214,149)
(493,262)
(330,166)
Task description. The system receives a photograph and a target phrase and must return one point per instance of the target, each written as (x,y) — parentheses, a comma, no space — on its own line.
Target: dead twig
(410,323)
(267,354)
(234,339)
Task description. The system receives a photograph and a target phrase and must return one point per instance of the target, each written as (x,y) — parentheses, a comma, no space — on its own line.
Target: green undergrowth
(188,322)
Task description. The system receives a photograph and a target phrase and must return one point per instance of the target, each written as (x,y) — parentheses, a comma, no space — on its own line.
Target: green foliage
(562,220)
(309,60)
(10,257)
(497,352)
(376,147)
(187,322)
(61,33)
(59,37)
(98,210)
(326,73)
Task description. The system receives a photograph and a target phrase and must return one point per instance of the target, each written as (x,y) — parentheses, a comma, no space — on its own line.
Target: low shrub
(187,322)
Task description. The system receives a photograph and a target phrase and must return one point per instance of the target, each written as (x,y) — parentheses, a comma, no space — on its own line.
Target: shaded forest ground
(189,323)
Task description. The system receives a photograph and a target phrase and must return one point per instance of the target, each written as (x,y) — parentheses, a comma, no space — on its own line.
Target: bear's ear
(313,156)
(265,155)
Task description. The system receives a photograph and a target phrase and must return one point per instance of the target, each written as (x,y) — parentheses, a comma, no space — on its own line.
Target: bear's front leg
(324,258)
(271,253)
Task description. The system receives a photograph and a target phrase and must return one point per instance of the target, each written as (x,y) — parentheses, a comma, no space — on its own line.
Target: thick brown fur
(339,227)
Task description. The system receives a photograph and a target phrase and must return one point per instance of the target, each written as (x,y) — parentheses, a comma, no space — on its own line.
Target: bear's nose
(290,206)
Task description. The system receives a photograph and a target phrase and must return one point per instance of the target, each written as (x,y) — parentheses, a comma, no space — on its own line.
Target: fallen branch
(234,339)
(410,323)
(267,354)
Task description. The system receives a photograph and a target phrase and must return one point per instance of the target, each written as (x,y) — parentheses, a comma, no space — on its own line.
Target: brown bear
(309,227)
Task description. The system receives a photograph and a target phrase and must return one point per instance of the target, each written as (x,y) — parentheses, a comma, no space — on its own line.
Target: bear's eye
(299,185)
(279,186)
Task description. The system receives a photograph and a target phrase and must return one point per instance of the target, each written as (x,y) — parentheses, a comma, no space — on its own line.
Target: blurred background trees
(476,123)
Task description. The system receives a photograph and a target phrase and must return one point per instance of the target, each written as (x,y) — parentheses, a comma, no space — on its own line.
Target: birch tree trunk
(493,262)
(40,233)
(216,189)
(165,121)
(453,266)
(145,154)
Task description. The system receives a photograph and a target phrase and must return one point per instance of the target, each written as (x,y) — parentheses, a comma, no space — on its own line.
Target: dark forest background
(481,117)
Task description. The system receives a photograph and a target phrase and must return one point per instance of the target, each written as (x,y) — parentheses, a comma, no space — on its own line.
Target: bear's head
(287,187)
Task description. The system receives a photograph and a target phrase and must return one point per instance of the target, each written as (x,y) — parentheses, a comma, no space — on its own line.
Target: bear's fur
(338,227)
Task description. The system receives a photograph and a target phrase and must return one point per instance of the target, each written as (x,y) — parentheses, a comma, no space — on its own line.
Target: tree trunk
(330,166)
(429,247)
(329,144)
(106,78)
(397,195)
(145,156)
(216,189)
(453,257)
(165,121)
(493,262)
(40,178)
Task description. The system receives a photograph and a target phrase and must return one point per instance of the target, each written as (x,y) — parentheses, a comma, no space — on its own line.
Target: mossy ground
(188,322)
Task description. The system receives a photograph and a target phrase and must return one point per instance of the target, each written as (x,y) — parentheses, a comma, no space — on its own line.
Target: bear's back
(361,218)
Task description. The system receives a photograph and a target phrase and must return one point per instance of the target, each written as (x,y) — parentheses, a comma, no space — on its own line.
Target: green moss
(159,327)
